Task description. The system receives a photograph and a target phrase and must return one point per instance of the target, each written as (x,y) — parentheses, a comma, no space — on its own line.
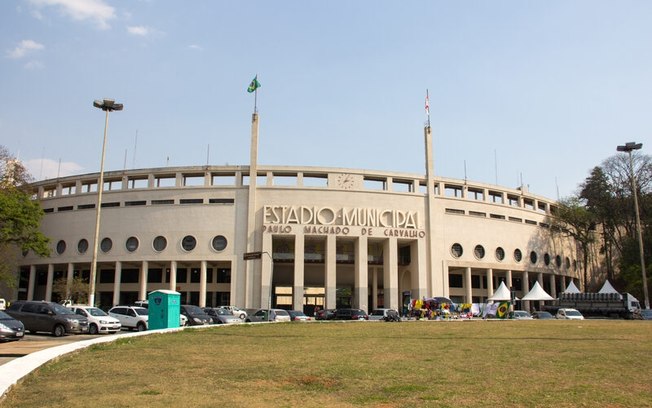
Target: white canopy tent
(502,293)
(607,288)
(571,288)
(537,293)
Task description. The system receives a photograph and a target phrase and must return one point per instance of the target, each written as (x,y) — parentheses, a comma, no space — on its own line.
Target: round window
(558,261)
(82,246)
(518,255)
(478,251)
(160,243)
(219,243)
(546,259)
(533,257)
(457,250)
(61,247)
(106,245)
(568,263)
(132,244)
(500,253)
(188,243)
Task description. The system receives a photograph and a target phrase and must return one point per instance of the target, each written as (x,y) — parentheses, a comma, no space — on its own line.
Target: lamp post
(628,148)
(107,105)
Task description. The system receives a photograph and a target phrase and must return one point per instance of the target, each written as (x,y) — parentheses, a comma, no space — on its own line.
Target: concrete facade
(330,237)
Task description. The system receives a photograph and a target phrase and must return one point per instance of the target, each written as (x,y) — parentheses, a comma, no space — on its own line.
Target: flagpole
(428,105)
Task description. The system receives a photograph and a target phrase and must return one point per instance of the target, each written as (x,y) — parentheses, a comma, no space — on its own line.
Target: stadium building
(311,236)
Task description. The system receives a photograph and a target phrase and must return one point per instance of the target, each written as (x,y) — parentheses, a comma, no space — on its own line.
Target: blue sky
(538,90)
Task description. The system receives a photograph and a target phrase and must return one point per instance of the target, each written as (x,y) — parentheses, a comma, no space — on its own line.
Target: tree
(77,292)
(20,218)
(573,219)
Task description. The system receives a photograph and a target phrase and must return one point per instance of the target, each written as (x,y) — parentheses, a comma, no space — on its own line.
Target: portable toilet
(164,309)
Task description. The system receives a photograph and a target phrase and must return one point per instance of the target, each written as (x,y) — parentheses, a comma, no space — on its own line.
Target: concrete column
(173,275)
(390,273)
(374,288)
(117,282)
(48,286)
(468,287)
(490,282)
(69,277)
(553,286)
(563,283)
(508,280)
(540,279)
(31,283)
(142,280)
(331,273)
(419,273)
(526,289)
(361,292)
(202,284)
(299,277)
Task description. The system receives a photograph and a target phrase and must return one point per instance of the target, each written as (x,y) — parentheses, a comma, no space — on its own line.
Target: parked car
(10,328)
(520,315)
(379,314)
(196,316)
(3,304)
(269,315)
(221,316)
(325,314)
(40,316)
(298,316)
(646,314)
(98,320)
(236,311)
(569,314)
(350,314)
(131,317)
(542,315)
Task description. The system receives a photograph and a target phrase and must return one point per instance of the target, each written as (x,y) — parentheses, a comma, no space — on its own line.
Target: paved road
(35,342)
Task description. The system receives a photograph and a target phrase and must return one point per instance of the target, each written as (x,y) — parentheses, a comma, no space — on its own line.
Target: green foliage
(20,218)
(77,292)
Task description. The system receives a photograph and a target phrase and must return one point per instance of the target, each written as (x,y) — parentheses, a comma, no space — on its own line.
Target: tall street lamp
(107,105)
(628,148)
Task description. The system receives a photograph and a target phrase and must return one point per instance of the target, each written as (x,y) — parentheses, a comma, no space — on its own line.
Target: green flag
(253,85)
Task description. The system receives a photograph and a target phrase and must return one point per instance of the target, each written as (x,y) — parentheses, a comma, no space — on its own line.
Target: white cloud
(80,10)
(42,169)
(25,47)
(139,30)
(195,47)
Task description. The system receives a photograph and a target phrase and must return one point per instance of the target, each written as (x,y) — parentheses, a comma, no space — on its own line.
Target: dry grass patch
(425,364)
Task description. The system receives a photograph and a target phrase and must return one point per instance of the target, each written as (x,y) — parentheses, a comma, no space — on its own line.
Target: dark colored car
(351,314)
(47,317)
(221,316)
(298,316)
(196,316)
(325,314)
(10,328)
(542,315)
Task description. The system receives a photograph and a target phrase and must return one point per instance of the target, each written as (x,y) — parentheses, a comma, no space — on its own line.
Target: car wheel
(242,316)
(58,330)
(92,329)
(141,326)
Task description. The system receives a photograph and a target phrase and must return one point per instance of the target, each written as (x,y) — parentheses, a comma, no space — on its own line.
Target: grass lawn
(591,363)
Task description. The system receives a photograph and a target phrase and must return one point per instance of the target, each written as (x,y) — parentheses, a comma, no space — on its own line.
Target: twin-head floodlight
(107,105)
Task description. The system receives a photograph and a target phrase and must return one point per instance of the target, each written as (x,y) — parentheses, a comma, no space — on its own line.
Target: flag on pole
(253,85)
(427,104)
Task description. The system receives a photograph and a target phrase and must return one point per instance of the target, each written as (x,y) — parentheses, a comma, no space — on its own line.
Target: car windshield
(377,313)
(141,311)
(61,310)
(357,311)
(94,311)
(281,312)
(573,313)
(194,310)
(222,312)
(4,316)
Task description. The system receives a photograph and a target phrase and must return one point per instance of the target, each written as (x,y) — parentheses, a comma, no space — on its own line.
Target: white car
(98,320)
(569,314)
(131,317)
(235,311)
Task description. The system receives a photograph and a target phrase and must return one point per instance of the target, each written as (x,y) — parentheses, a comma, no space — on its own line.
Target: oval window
(188,243)
(132,244)
(82,246)
(106,245)
(160,243)
(500,253)
(219,243)
(457,250)
(61,247)
(518,255)
(478,251)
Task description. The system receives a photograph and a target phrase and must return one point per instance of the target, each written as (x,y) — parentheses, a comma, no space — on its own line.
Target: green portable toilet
(164,309)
